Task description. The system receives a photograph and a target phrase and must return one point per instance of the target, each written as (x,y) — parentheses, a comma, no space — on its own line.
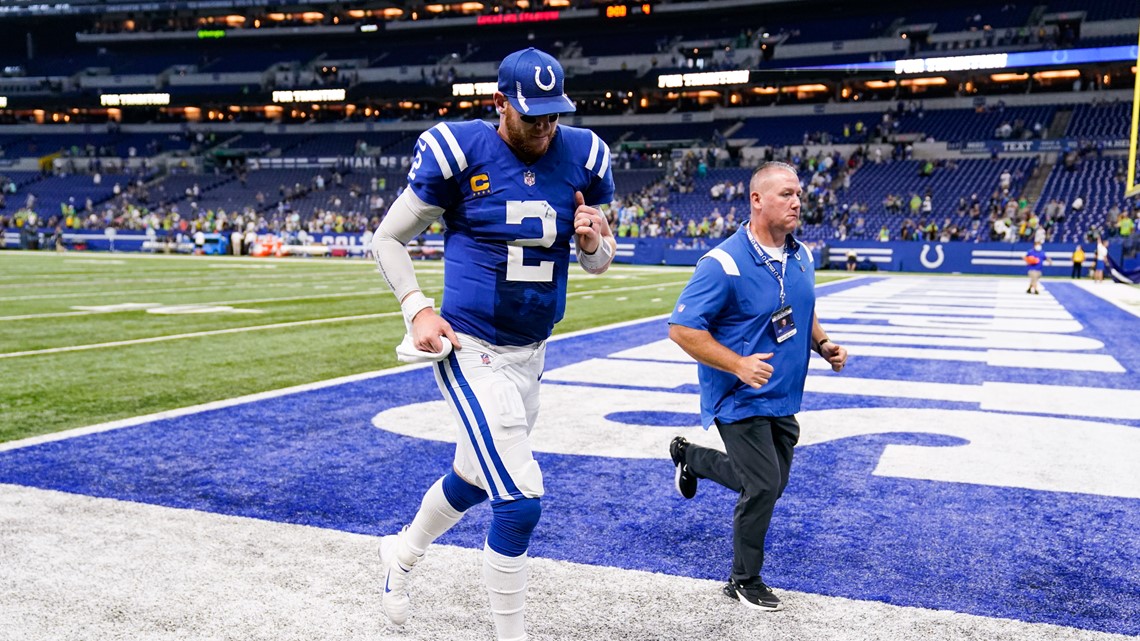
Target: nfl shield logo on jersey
(486,358)
(528,178)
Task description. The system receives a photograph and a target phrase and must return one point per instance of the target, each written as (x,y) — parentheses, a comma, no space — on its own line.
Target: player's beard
(529,142)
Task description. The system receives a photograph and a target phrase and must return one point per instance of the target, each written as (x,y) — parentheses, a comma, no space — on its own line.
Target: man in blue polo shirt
(748,318)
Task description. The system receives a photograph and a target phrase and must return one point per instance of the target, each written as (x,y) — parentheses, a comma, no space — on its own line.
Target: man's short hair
(767,166)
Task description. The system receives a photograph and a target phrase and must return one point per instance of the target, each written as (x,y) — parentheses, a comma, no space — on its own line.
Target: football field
(206,448)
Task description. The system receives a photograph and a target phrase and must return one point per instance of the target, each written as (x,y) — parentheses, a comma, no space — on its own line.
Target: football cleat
(395,600)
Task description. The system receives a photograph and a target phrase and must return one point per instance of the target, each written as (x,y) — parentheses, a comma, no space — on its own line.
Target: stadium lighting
(1009,77)
(923,82)
(1058,74)
(815,88)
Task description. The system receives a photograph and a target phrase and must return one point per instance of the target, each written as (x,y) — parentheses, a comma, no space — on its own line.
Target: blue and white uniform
(508,224)
(507,247)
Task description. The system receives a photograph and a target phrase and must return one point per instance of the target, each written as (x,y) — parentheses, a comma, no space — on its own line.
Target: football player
(511,198)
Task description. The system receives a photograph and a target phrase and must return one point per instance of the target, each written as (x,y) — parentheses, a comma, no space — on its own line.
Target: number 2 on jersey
(517,212)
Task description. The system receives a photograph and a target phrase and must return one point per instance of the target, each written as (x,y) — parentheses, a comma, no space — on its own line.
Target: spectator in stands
(1005,181)
(1124,225)
(906,232)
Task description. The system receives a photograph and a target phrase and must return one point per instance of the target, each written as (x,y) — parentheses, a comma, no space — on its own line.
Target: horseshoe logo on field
(929,264)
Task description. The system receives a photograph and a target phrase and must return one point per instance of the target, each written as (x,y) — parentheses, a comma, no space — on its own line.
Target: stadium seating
(1097,182)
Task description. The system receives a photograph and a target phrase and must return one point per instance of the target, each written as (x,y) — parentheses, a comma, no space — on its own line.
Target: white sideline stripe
(213,332)
(261,396)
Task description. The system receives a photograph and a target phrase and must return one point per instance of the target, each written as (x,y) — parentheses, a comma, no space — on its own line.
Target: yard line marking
(250,301)
(236,302)
(72,280)
(590,294)
(213,332)
(175,290)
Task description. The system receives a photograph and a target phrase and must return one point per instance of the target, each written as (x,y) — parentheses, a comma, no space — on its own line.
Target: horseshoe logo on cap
(538,72)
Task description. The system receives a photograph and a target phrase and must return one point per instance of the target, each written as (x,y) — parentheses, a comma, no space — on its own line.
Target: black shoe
(685,480)
(754,595)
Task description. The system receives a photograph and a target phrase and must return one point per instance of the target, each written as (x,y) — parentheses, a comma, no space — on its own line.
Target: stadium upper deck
(231,60)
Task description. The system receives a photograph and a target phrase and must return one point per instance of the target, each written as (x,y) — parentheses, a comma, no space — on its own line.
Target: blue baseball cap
(532,81)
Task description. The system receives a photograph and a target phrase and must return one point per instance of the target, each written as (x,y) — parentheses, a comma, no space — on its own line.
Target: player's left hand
(590,226)
(834,354)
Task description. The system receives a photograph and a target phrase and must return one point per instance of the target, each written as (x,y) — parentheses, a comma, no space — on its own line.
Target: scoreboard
(620,10)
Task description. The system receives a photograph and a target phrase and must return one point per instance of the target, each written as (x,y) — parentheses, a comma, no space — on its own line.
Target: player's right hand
(427,327)
(754,370)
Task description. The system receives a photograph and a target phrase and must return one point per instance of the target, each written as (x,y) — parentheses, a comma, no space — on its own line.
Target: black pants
(1077,269)
(758,459)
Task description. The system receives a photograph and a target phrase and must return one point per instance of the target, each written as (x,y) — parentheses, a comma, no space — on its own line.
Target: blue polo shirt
(732,295)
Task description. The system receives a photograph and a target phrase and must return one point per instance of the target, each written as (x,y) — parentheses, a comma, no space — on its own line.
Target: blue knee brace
(461,494)
(511,525)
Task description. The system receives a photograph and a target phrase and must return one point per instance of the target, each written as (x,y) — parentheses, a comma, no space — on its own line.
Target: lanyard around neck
(779,276)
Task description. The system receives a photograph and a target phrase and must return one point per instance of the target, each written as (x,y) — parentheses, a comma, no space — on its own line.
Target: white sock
(505,577)
(435,517)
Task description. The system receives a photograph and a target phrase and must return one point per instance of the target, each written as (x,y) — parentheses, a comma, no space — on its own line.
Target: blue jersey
(509,224)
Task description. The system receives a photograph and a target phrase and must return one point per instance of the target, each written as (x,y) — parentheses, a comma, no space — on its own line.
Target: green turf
(49,392)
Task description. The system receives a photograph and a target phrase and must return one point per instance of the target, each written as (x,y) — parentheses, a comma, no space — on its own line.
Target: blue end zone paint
(313,458)
(1116,328)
